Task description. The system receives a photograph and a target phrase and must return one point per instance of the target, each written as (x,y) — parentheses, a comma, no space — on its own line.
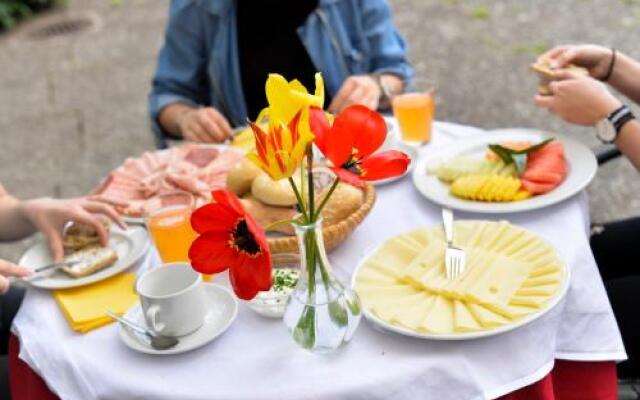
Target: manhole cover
(61,28)
(61,24)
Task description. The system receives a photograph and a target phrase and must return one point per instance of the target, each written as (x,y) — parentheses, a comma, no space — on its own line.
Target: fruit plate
(386,326)
(581,165)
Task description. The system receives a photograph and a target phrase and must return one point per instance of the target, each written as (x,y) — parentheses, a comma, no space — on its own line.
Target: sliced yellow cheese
(530,301)
(485,317)
(368,275)
(542,280)
(386,308)
(463,320)
(439,319)
(515,311)
(382,268)
(546,290)
(411,315)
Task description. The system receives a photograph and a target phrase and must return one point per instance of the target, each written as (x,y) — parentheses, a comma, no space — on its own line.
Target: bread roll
(345,200)
(265,214)
(274,193)
(241,176)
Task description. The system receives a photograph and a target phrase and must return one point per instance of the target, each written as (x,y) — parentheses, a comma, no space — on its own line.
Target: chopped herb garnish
(284,280)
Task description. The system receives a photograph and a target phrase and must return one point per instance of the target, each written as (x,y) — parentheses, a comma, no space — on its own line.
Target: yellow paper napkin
(85,307)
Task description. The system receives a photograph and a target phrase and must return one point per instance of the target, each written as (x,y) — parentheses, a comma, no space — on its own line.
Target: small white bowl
(272,304)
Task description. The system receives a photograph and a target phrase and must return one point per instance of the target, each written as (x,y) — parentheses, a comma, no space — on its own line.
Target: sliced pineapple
(493,188)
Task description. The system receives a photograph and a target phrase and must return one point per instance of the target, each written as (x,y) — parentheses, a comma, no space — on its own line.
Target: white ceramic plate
(130,245)
(582,167)
(463,335)
(223,309)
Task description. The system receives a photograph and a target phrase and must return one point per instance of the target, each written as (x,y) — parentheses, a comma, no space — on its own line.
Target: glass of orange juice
(415,112)
(170,226)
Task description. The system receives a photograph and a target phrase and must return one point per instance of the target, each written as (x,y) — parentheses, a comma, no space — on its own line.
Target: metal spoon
(158,342)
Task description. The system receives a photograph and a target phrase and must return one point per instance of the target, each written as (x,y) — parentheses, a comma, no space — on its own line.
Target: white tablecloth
(256,359)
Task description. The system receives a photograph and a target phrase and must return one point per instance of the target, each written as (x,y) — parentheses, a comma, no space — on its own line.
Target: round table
(256,358)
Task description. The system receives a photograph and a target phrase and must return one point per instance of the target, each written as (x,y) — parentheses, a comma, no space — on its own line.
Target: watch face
(606,131)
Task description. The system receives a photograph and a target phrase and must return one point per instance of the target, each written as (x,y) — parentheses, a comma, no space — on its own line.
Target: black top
(268,42)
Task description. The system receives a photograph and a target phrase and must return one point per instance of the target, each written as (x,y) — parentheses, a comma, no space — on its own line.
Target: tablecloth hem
(591,356)
(521,382)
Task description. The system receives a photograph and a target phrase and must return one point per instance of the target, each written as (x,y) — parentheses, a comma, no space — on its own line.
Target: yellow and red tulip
(280,150)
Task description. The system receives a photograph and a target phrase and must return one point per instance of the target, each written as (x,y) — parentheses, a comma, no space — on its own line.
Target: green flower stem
(310,184)
(303,191)
(326,198)
(299,198)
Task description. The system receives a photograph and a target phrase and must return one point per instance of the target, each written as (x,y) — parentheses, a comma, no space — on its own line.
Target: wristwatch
(607,129)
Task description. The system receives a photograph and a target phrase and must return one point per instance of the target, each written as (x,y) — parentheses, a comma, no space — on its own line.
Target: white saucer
(394,142)
(223,308)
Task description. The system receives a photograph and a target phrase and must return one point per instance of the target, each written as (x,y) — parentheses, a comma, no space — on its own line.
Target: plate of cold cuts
(505,171)
(144,183)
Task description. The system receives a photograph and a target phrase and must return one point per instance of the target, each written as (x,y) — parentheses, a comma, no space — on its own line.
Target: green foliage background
(12,11)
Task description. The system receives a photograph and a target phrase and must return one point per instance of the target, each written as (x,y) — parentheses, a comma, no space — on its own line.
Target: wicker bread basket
(333,234)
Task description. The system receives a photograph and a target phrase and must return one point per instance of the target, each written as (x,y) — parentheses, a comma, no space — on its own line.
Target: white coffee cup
(173,299)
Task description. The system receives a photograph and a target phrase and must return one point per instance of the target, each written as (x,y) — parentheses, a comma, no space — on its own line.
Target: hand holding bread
(50,216)
(594,59)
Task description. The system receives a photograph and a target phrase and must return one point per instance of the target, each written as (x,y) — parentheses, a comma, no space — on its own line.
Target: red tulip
(229,238)
(350,143)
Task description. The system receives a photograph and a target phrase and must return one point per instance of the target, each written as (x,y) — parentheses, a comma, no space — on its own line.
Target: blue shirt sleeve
(388,50)
(181,71)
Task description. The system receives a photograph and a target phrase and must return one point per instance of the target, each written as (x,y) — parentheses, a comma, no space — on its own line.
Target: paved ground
(73,107)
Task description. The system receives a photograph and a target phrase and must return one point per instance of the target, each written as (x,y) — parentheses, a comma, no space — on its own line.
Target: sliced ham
(191,168)
(201,156)
(189,184)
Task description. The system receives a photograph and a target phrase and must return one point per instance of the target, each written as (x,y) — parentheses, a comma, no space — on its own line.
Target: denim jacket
(198,64)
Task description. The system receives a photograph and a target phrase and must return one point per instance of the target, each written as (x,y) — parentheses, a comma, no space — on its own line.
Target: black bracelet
(611,65)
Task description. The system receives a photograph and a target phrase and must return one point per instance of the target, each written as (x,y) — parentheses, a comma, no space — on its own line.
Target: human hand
(50,217)
(356,89)
(205,125)
(578,99)
(8,269)
(596,59)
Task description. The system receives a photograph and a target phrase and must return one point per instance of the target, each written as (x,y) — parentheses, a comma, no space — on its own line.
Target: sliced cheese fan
(511,273)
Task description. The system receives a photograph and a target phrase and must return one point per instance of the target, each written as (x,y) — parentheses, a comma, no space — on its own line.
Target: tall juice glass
(415,112)
(170,227)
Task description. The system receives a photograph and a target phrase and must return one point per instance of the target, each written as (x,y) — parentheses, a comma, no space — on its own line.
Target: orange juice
(171,230)
(415,112)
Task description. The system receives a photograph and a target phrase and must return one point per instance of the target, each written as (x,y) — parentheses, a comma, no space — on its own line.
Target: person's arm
(180,83)
(387,47)
(628,142)
(388,54)
(14,225)
(625,76)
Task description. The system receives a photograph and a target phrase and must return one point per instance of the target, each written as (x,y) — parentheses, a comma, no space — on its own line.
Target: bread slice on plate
(90,259)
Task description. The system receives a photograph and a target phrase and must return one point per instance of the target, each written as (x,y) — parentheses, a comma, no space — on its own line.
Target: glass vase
(322,313)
